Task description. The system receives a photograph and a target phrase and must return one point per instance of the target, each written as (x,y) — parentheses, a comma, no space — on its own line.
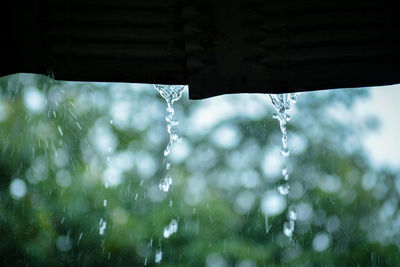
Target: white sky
(383,145)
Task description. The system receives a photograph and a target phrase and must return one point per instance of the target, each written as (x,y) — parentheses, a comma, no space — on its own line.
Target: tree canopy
(80,165)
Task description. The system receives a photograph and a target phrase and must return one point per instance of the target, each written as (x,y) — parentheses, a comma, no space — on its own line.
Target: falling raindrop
(60,131)
(79,238)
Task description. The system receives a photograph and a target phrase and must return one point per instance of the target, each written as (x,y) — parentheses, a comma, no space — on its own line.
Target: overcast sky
(383,145)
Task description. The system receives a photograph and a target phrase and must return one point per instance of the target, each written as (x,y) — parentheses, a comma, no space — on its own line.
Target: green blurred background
(81,158)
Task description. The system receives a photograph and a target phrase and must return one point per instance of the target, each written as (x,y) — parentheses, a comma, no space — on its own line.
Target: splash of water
(282,103)
(171,94)
(170,229)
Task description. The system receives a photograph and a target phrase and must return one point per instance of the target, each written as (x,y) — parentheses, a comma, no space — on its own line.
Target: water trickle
(170,229)
(158,256)
(171,94)
(282,103)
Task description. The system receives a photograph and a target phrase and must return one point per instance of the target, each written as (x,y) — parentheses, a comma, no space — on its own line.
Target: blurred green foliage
(79,144)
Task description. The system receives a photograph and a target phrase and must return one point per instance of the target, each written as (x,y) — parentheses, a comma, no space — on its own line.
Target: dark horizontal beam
(216,47)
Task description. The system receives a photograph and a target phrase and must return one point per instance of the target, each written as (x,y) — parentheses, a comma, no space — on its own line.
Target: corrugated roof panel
(217,47)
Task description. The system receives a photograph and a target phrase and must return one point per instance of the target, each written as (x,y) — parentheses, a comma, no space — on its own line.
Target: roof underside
(216,47)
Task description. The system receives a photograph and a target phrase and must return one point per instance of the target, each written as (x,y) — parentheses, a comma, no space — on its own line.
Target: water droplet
(285,174)
(105,202)
(102,226)
(285,152)
(158,256)
(167,149)
(165,183)
(284,189)
(288,228)
(168,166)
(111,121)
(170,229)
(292,214)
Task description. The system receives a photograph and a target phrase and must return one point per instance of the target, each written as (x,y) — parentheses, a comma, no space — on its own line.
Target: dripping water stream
(282,103)
(171,94)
